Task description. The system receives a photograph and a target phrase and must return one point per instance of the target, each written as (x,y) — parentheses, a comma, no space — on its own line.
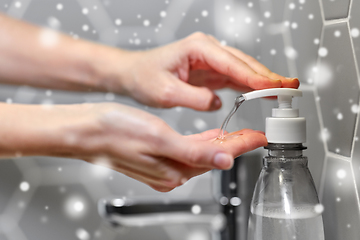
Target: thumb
(197,98)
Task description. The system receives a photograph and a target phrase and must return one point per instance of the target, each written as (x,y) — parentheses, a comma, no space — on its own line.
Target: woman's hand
(186,72)
(145,148)
(130,141)
(140,145)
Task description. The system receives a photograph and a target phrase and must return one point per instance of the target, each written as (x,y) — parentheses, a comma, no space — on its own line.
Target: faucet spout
(139,213)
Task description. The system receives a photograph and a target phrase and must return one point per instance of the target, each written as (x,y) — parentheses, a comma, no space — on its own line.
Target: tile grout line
(357,117)
(350,8)
(358,77)
(335,21)
(355,186)
(318,110)
(338,156)
(321,10)
(316,94)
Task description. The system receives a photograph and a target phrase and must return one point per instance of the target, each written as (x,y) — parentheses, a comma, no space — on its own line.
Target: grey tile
(341,214)
(4,5)
(275,62)
(338,87)
(135,12)
(249,166)
(55,162)
(356,159)
(134,188)
(244,31)
(190,122)
(355,28)
(335,9)
(10,179)
(315,151)
(251,110)
(276,9)
(56,214)
(68,20)
(272,50)
(195,20)
(255,31)
(156,232)
(305,37)
(7,92)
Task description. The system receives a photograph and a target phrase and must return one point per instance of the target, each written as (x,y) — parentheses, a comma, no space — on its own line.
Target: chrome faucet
(222,215)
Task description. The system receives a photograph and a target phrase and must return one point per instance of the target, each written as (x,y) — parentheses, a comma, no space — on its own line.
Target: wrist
(29,130)
(111,69)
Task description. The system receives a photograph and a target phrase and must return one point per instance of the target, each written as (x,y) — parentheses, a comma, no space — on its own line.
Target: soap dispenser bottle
(285,203)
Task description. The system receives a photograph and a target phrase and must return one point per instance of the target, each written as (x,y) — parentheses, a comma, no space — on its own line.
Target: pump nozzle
(285,125)
(289,92)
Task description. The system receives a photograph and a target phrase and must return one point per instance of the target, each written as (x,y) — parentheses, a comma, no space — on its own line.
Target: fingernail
(223,161)
(292,79)
(216,104)
(183,181)
(261,132)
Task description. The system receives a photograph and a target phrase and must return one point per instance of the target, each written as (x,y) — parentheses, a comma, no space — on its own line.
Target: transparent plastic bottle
(285,203)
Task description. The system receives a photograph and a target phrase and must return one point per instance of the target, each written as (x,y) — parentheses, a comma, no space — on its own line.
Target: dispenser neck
(285,156)
(289,150)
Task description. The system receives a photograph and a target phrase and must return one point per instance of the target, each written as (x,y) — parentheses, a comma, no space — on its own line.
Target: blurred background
(315,40)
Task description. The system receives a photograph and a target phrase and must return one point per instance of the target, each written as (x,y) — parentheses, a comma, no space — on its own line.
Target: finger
(198,98)
(252,62)
(208,78)
(159,173)
(204,136)
(212,134)
(236,134)
(164,185)
(290,83)
(197,153)
(242,132)
(238,144)
(235,143)
(258,67)
(148,181)
(262,69)
(228,64)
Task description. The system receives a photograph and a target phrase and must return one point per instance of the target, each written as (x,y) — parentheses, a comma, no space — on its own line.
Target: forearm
(29,130)
(44,58)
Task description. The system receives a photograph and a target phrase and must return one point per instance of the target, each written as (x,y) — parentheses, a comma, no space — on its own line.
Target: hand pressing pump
(285,203)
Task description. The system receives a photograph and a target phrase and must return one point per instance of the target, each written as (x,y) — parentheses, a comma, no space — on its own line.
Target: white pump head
(285,125)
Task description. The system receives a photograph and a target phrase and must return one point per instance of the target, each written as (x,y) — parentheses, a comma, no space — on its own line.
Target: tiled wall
(324,40)
(315,40)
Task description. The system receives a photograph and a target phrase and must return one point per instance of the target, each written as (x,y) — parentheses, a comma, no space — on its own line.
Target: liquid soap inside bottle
(272,225)
(285,204)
